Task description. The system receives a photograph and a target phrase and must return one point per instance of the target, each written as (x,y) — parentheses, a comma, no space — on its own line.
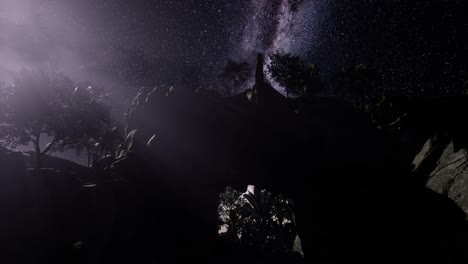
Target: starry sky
(125,45)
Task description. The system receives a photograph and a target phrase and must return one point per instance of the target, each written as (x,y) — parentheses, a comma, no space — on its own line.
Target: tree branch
(49,146)
(36,142)
(33,140)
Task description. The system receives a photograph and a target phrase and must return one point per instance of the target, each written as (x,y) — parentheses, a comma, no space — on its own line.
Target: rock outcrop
(446,169)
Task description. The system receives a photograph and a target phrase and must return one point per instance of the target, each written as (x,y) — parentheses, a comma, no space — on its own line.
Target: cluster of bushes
(37,107)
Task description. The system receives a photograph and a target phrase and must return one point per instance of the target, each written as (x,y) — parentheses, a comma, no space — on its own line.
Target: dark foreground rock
(43,214)
(355,197)
(354,194)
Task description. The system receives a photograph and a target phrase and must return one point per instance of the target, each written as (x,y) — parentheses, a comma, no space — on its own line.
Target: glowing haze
(129,44)
(32,37)
(117,43)
(56,36)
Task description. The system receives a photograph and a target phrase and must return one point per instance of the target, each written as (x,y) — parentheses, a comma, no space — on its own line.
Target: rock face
(447,169)
(437,135)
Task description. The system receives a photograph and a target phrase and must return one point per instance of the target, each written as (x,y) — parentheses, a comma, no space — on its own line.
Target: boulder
(446,168)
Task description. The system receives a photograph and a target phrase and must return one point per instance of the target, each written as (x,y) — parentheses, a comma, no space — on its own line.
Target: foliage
(235,76)
(33,105)
(94,130)
(296,76)
(363,83)
(259,220)
(50,105)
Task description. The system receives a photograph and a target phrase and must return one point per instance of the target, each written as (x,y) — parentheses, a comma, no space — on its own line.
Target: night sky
(124,45)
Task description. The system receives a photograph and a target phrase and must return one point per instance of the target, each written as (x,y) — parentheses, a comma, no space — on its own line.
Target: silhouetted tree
(41,105)
(259,220)
(94,130)
(296,76)
(234,76)
(361,82)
